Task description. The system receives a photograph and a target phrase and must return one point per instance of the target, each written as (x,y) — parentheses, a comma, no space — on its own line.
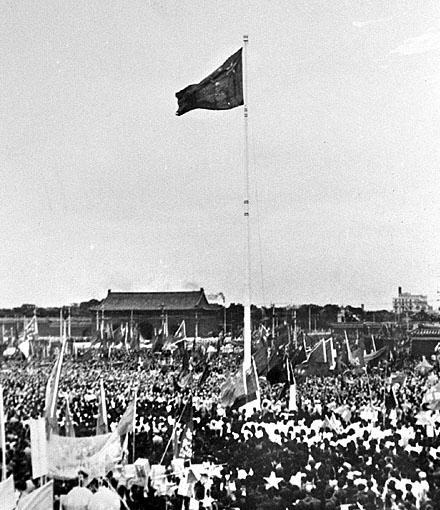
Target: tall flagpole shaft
(247,302)
(2,435)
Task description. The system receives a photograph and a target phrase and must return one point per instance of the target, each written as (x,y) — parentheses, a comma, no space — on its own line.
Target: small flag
(221,90)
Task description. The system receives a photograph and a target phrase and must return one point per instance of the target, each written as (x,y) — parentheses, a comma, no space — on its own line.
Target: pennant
(221,90)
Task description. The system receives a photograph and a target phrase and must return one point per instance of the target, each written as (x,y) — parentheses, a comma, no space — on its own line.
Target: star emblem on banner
(272,481)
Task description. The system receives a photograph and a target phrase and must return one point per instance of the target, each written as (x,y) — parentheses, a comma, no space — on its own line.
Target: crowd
(352,442)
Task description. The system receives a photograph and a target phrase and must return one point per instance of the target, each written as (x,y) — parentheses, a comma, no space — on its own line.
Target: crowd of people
(353,440)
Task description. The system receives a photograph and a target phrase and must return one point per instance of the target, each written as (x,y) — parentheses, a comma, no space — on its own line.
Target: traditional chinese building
(152,312)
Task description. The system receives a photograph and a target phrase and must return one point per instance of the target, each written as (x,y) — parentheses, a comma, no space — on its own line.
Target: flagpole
(134,423)
(2,435)
(247,302)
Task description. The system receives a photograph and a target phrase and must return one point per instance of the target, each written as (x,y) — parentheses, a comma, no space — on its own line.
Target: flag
(318,354)
(52,391)
(69,428)
(221,90)
(424,367)
(158,342)
(126,423)
(357,357)
(276,366)
(8,497)
(240,388)
(375,355)
(102,421)
(298,356)
(205,374)
(347,344)
(183,433)
(39,499)
(260,357)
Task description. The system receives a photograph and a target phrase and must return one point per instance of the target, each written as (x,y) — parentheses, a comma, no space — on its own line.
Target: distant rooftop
(141,301)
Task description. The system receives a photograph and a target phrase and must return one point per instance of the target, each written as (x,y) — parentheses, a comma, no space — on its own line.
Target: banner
(7,494)
(38,447)
(96,455)
(39,499)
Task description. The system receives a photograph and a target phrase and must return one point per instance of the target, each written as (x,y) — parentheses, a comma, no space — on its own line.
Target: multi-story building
(405,302)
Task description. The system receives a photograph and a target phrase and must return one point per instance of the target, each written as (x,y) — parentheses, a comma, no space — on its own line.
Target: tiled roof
(184,300)
(426,332)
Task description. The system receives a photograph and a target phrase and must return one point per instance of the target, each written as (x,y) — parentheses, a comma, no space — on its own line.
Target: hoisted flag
(221,90)
(52,391)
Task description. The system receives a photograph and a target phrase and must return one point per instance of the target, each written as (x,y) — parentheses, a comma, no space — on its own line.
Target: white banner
(96,455)
(38,447)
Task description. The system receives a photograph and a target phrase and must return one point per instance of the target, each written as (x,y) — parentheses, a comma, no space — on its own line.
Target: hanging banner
(96,455)
(38,447)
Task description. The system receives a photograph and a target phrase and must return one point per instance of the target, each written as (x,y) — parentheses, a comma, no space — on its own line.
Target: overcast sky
(104,187)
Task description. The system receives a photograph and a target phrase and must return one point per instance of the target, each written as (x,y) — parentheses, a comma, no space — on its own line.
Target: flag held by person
(221,90)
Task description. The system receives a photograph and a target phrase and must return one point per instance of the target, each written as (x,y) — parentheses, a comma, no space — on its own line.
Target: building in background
(155,312)
(407,303)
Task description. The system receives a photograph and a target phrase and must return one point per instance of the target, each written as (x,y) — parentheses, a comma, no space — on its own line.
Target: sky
(104,187)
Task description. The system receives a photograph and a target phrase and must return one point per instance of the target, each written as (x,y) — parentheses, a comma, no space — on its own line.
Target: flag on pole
(240,388)
(126,423)
(293,406)
(52,391)
(221,90)
(102,421)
